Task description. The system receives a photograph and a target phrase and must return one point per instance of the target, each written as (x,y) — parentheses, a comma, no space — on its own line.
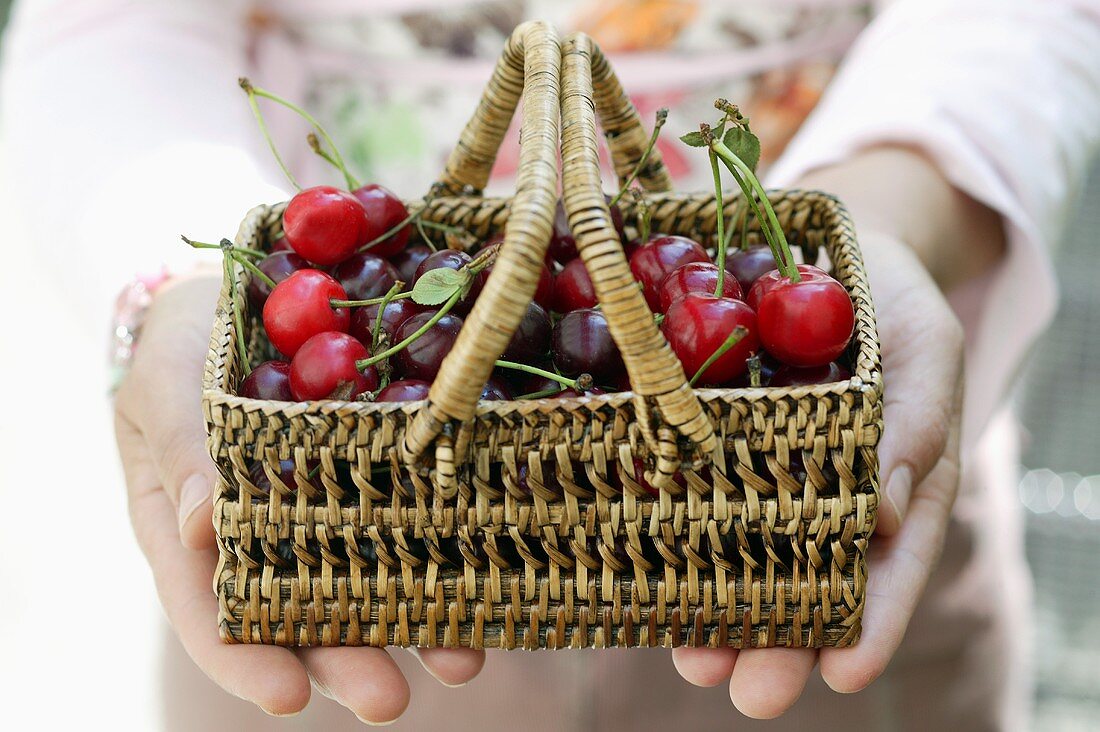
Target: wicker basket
(415,531)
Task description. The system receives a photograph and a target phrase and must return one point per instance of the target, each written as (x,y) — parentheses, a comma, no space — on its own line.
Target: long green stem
(376,332)
(352,183)
(563,380)
(364,363)
(732,340)
(224,247)
(251,91)
(256,271)
(372,301)
(720,223)
(238,316)
(662,117)
(769,235)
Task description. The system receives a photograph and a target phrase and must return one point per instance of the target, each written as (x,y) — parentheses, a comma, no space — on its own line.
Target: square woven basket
(415,530)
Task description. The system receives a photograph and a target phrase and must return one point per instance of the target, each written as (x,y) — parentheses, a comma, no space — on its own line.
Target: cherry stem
(313,473)
(662,117)
(720,223)
(450,303)
(225,246)
(539,394)
(251,91)
(373,301)
(563,380)
(744,243)
(376,332)
(753,363)
(411,218)
(315,146)
(238,316)
(644,215)
(254,91)
(256,271)
(732,340)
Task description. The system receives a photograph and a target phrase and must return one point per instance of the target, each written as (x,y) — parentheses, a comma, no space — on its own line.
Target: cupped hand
(170,480)
(922,346)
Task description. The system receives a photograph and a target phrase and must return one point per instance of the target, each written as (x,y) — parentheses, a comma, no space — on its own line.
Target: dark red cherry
(639,478)
(582,344)
(531,341)
(287,474)
(384,211)
(697,324)
(572,393)
(280,245)
(695,277)
(298,308)
(270,380)
(804,323)
(768,367)
(324,368)
(544,291)
(563,246)
(794,376)
(655,259)
(422,358)
(496,390)
(277,266)
(748,264)
(573,288)
(408,259)
(364,276)
(397,312)
(405,390)
(453,259)
(325,225)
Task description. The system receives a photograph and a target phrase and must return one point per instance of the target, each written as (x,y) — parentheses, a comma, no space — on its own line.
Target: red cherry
(531,341)
(397,312)
(639,478)
(407,260)
(384,211)
(697,324)
(277,266)
(324,367)
(325,225)
(421,358)
(804,323)
(748,264)
(364,275)
(406,390)
(582,344)
(563,246)
(495,390)
(280,245)
(299,308)
(453,259)
(573,288)
(269,380)
(793,376)
(655,259)
(695,277)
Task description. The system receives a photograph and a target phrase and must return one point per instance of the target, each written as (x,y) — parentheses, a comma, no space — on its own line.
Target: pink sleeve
(124,128)
(1005,96)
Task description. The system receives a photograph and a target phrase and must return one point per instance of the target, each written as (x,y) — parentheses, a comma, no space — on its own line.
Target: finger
(365,680)
(767,681)
(161,399)
(267,676)
(899,569)
(451,666)
(704,666)
(922,345)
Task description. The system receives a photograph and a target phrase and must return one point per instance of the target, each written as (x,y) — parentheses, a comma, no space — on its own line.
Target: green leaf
(437,285)
(695,139)
(744,145)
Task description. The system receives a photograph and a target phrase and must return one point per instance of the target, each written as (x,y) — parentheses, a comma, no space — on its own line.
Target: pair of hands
(170,478)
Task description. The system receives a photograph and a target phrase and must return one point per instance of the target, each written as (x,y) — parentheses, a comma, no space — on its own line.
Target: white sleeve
(124,127)
(1004,95)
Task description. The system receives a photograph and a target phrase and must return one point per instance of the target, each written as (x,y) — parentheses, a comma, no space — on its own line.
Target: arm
(956,187)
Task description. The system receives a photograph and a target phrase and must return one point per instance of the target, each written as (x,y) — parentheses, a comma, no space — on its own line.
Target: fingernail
(898,488)
(374,724)
(416,652)
(277,714)
(194,495)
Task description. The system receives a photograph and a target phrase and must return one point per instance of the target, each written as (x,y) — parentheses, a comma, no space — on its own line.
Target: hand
(922,344)
(170,480)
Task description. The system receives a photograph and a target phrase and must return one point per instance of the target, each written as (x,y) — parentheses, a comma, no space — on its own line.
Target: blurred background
(42,442)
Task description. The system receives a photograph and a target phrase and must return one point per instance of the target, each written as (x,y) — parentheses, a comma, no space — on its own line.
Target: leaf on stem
(436,286)
(744,145)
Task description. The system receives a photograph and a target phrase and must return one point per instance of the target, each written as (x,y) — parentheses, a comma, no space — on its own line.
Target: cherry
(396,313)
(572,393)
(280,245)
(563,246)
(522,382)
(655,259)
(422,358)
(582,344)
(496,390)
(531,341)
(299,307)
(324,368)
(698,324)
(804,323)
(325,225)
(258,475)
(794,376)
(748,264)
(695,277)
(453,259)
(768,367)
(364,275)
(544,292)
(277,266)
(573,288)
(639,478)
(407,260)
(405,390)
(384,211)
(269,380)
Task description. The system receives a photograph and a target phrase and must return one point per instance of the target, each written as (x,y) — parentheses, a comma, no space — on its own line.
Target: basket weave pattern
(415,530)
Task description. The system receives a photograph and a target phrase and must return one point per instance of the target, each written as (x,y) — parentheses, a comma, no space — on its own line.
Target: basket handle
(656,375)
(530,65)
